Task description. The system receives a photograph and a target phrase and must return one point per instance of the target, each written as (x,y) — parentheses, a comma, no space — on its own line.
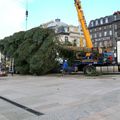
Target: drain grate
(22,106)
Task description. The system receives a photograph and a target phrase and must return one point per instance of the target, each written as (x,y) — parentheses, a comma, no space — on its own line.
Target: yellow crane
(89,58)
(81,19)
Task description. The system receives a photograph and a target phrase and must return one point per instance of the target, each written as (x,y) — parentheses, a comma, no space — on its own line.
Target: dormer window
(96,22)
(92,23)
(101,21)
(106,20)
(115,17)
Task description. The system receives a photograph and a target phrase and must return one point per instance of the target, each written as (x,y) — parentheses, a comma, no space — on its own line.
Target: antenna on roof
(26,13)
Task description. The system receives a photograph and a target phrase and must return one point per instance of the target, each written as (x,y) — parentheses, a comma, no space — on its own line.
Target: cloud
(12,17)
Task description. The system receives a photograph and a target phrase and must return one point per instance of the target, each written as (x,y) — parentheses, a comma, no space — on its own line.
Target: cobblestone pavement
(68,97)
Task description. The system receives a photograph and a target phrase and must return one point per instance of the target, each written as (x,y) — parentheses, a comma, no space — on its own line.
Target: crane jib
(83,24)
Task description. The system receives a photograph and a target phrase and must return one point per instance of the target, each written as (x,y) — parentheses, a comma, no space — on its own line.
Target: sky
(12,12)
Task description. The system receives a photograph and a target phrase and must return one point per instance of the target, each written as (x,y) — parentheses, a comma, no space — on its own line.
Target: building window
(96,22)
(66,39)
(95,44)
(115,27)
(97,29)
(105,27)
(100,28)
(116,35)
(110,26)
(91,36)
(106,20)
(90,31)
(115,17)
(66,29)
(100,34)
(105,33)
(101,21)
(92,23)
(105,43)
(110,43)
(95,36)
(110,32)
(100,44)
(75,42)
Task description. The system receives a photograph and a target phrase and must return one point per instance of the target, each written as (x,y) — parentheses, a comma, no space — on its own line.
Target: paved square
(69,97)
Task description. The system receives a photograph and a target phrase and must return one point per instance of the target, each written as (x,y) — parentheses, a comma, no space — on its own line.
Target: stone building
(105,31)
(65,32)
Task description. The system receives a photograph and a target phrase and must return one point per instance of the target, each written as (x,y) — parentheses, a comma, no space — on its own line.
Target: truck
(89,58)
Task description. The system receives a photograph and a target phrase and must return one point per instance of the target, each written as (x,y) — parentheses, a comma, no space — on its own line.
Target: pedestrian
(65,66)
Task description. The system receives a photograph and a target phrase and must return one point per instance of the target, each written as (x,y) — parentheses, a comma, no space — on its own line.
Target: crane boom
(83,24)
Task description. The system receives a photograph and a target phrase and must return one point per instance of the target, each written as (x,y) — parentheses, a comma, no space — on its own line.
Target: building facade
(105,31)
(66,33)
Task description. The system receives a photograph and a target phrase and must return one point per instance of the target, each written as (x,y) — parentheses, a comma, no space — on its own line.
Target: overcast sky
(12,12)
(11,17)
